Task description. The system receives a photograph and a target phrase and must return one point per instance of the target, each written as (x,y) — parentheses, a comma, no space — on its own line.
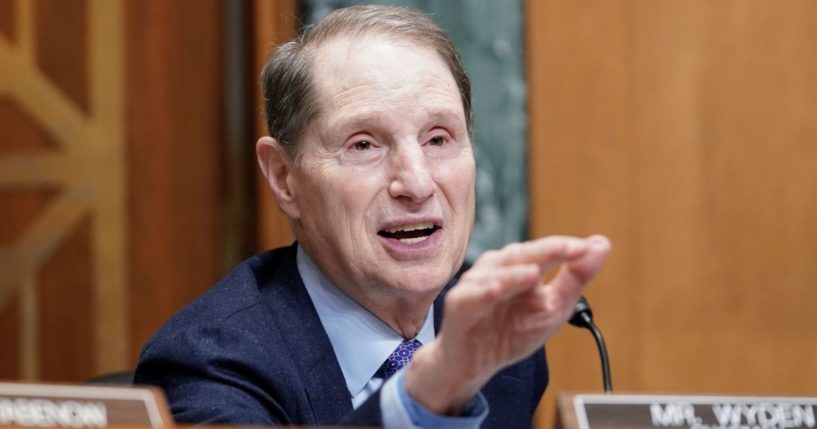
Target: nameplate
(81,406)
(693,412)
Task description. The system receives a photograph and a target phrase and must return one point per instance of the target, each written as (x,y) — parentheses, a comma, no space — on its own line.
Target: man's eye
(437,141)
(362,145)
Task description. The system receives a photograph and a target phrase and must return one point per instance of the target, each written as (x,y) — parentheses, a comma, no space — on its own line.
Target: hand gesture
(501,311)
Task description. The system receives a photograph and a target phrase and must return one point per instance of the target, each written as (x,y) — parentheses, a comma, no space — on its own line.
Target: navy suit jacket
(253,351)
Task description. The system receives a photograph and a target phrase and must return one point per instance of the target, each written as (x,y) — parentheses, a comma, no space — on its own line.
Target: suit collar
(284,293)
(361,341)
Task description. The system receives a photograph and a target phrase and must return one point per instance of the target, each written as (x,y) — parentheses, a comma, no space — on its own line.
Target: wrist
(438,383)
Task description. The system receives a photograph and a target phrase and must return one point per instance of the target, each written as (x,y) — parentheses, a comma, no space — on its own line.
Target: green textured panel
(489,34)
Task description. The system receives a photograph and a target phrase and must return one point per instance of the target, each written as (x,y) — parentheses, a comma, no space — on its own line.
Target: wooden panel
(59,83)
(28,205)
(65,77)
(683,130)
(174,132)
(62,46)
(275,23)
(66,312)
(10,333)
(7,25)
(737,232)
(20,209)
(20,133)
(581,170)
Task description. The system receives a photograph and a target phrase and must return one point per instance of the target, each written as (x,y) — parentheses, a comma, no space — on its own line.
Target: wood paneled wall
(686,132)
(111,134)
(62,178)
(175,133)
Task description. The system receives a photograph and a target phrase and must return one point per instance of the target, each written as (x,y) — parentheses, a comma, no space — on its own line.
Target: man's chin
(420,283)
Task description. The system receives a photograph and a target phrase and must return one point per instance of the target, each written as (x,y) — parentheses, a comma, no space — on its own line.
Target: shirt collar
(361,341)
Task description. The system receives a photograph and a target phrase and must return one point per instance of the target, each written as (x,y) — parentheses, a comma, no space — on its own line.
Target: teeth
(413,240)
(416,226)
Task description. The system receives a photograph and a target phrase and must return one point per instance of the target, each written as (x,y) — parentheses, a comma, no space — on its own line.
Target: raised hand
(501,311)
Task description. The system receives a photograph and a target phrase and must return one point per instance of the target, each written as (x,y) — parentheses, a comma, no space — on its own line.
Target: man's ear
(277,169)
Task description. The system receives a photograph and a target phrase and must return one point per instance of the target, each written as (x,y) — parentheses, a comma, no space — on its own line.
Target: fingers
(503,274)
(501,310)
(588,265)
(573,276)
(546,252)
(479,289)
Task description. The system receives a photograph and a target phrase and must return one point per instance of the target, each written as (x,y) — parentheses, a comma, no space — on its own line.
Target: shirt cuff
(399,410)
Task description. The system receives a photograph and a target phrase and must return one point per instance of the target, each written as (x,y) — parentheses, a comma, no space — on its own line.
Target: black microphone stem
(583,318)
(605,361)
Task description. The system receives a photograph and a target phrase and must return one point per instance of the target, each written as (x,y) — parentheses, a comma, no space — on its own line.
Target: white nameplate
(694,412)
(81,406)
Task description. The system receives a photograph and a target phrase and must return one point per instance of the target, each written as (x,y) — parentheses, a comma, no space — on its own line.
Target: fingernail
(598,240)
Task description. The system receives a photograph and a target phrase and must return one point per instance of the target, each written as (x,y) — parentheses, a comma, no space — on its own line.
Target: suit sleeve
(206,377)
(223,376)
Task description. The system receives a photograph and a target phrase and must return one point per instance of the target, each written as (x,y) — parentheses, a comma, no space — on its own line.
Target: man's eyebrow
(365,119)
(444,113)
(354,122)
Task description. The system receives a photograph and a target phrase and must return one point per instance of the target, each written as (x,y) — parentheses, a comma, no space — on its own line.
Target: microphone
(583,318)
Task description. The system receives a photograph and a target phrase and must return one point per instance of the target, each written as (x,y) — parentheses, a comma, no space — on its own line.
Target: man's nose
(410,174)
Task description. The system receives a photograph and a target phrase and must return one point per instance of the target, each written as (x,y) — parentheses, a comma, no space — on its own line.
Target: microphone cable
(583,318)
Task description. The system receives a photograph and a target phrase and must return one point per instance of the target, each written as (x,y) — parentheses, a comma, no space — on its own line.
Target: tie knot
(400,357)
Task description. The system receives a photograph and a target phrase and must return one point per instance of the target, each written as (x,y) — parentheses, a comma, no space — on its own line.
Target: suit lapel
(438,306)
(308,344)
(284,293)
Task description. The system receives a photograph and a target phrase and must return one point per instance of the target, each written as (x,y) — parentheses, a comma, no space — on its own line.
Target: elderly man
(370,157)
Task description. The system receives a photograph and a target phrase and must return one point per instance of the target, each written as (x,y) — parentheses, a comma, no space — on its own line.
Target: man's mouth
(410,234)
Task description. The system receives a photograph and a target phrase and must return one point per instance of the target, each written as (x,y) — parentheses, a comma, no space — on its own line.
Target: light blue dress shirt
(362,342)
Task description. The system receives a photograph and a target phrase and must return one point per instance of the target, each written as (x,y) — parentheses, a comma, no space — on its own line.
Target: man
(370,157)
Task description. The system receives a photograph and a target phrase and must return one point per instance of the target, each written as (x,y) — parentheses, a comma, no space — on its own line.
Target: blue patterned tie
(400,357)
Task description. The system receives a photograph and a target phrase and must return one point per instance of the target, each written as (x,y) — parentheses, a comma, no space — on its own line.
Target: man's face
(384,191)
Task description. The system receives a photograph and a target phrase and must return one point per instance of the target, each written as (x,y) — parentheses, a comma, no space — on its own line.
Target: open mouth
(410,234)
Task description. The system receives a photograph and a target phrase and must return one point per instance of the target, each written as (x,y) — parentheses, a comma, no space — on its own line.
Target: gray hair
(290,101)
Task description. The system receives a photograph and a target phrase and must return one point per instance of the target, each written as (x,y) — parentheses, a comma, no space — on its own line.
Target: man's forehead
(360,71)
(352,110)
(359,55)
